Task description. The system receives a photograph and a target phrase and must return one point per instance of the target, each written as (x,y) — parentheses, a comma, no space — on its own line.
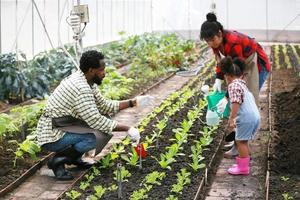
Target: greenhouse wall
(21,27)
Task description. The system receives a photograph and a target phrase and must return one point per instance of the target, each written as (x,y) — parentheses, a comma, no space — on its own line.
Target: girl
(232,43)
(244,115)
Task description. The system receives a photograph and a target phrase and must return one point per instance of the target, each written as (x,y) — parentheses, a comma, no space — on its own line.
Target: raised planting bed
(180,147)
(284,181)
(10,172)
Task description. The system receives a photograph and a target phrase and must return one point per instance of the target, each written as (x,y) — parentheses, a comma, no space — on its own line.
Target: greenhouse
(149,99)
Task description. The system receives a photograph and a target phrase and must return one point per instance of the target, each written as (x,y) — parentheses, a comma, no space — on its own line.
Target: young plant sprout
(99,191)
(73,194)
(106,161)
(182,180)
(84,185)
(133,159)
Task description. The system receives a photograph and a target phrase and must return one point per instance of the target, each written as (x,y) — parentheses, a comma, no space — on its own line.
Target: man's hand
(145,100)
(217,85)
(134,135)
(222,105)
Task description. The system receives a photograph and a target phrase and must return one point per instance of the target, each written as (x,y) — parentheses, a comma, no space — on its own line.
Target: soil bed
(9,173)
(285,148)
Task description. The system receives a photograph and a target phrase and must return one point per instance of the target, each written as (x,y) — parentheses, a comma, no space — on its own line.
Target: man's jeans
(81,142)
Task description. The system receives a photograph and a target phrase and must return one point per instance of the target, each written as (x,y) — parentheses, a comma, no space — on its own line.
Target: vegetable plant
(29,147)
(182,180)
(124,174)
(73,194)
(106,161)
(99,191)
(133,159)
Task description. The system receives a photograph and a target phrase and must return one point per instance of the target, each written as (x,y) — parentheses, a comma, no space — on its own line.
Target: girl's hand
(231,123)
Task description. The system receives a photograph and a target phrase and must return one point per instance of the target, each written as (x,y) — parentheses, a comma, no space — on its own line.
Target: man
(74,120)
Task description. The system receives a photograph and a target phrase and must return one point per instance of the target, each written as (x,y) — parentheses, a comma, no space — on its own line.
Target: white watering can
(212,118)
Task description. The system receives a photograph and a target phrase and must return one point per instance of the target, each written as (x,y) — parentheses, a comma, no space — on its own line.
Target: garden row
(17,154)
(149,54)
(114,86)
(179,147)
(286,56)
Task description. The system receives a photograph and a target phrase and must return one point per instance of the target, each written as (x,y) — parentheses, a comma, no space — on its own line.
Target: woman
(235,44)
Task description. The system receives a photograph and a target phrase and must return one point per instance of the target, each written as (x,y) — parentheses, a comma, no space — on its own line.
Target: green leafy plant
(106,161)
(89,177)
(286,196)
(73,194)
(182,180)
(99,191)
(139,194)
(112,188)
(96,172)
(133,159)
(285,179)
(172,197)
(26,147)
(153,178)
(7,125)
(118,148)
(124,174)
(169,157)
(196,159)
(84,185)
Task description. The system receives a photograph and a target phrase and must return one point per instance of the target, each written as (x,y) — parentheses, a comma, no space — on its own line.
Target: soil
(150,164)
(285,148)
(9,172)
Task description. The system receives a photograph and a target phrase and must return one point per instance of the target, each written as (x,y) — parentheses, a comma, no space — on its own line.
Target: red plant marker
(140,150)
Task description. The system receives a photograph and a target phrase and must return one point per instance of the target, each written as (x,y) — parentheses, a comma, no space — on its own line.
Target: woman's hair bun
(211,17)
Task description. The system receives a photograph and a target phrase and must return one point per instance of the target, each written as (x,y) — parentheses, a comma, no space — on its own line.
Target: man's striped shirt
(75,97)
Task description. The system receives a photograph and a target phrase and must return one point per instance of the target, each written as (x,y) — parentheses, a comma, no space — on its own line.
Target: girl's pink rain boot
(241,168)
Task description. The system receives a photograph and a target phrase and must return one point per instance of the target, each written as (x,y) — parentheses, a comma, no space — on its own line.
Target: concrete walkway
(43,185)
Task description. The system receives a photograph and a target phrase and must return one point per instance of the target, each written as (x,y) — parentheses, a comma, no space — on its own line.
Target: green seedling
(152,178)
(182,180)
(197,158)
(139,194)
(286,196)
(84,185)
(89,177)
(113,188)
(106,161)
(133,159)
(28,146)
(96,171)
(99,191)
(124,174)
(172,197)
(285,179)
(73,194)
(118,148)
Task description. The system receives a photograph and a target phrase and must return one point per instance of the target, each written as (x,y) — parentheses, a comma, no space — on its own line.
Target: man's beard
(97,80)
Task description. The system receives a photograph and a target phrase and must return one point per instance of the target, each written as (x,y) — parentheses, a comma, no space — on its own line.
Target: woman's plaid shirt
(75,97)
(239,45)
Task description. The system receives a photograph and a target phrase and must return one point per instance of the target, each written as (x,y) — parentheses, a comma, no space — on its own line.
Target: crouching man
(74,120)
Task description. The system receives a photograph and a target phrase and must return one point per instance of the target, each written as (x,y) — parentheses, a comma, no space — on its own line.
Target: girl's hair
(232,67)
(210,27)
